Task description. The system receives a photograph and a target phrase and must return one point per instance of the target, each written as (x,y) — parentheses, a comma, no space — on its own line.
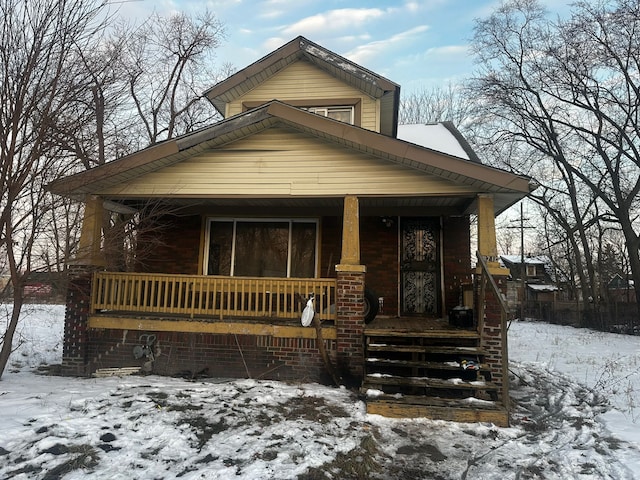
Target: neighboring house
(45,286)
(308,186)
(539,277)
(621,289)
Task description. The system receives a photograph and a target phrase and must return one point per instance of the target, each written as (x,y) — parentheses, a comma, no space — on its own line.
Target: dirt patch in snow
(247,429)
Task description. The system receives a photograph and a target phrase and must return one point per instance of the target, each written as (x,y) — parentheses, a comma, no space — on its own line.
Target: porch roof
(477,178)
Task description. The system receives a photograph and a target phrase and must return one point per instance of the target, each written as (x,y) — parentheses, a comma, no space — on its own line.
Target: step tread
(408,332)
(418,364)
(469,402)
(451,350)
(469,413)
(429,382)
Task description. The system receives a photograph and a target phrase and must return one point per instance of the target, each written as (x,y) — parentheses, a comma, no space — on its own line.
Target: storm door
(420,266)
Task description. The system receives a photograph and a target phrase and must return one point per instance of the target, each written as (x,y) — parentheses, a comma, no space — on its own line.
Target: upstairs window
(343,114)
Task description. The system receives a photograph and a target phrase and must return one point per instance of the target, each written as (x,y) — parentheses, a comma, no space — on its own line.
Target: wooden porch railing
(211,296)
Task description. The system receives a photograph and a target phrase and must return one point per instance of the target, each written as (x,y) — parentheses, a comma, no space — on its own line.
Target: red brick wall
(176,247)
(330,245)
(350,326)
(379,252)
(456,259)
(192,354)
(491,335)
(74,347)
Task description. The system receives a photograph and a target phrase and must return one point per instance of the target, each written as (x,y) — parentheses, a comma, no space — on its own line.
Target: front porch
(199,321)
(412,366)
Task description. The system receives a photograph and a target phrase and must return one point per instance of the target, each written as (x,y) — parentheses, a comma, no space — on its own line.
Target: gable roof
(507,188)
(299,48)
(442,137)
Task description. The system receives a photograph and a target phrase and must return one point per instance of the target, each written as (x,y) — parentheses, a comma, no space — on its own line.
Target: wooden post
(487,244)
(90,244)
(351,232)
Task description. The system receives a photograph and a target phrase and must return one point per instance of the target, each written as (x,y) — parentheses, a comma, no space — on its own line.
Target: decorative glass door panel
(420,266)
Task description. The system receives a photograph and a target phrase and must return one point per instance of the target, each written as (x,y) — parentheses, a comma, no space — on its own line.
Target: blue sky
(415,43)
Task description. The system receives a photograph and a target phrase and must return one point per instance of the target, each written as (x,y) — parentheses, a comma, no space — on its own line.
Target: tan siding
(284,162)
(303,81)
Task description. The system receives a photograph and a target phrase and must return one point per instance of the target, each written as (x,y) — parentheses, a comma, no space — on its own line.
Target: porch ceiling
(369,206)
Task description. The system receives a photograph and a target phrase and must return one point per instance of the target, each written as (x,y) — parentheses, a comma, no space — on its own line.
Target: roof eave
(507,187)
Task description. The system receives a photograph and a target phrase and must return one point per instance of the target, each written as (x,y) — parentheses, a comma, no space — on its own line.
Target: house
(620,289)
(537,273)
(306,188)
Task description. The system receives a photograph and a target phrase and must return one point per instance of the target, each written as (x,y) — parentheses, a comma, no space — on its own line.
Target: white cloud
(373,49)
(271,14)
(274,43)
(447,51)
(334,20)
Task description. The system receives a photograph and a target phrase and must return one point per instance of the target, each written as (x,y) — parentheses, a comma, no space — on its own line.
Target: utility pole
(523,267)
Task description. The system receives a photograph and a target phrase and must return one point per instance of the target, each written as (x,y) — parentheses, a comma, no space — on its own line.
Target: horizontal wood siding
(302,81)
(285,162)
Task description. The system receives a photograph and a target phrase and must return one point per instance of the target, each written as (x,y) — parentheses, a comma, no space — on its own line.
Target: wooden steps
(439,409)
(434,373)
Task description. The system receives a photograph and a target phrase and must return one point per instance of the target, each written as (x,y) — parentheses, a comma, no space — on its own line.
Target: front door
(420,266)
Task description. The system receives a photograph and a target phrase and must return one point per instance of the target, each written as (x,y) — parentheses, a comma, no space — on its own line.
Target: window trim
(329,108)
(235,220)
(354,102)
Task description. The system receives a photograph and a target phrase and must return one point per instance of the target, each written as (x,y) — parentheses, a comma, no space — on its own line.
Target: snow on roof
(543,288)
(517,259)
(434,136)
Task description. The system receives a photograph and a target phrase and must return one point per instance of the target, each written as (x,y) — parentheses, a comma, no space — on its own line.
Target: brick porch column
(74,349)
(350,297)
(80,273)
(493,339)
(492,327)
(350,323)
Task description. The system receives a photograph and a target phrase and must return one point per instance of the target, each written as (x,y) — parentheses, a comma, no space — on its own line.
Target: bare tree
(167,63)
(566,92)
(437,104)
(40,77)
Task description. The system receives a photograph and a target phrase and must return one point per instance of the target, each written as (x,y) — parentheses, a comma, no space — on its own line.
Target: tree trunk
(7,342)
(323,351)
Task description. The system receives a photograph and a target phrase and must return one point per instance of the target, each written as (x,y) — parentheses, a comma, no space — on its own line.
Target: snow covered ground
(575,416)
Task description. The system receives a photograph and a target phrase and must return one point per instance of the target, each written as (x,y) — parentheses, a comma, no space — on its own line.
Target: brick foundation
(196,354)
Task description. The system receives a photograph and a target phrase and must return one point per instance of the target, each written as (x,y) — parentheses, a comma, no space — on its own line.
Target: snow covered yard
(564,385)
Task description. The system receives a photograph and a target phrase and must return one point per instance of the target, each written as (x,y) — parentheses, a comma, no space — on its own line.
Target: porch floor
(407,325)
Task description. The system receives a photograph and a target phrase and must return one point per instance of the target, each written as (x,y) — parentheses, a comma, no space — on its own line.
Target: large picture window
(261,247)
